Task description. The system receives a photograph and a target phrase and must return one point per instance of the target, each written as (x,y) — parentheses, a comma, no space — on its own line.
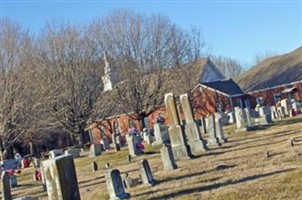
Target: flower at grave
(133,131)
(159,119)
(12,172)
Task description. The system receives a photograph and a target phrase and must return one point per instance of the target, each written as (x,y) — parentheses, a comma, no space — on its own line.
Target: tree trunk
(142,124)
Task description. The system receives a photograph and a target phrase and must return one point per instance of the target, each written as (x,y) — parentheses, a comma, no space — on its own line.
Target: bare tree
(141,49)
(228,66)
(259,57)
(70,78)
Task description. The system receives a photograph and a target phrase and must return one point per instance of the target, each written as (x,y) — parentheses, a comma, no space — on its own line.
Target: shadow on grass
(94,179)
(92,184)
(218,185)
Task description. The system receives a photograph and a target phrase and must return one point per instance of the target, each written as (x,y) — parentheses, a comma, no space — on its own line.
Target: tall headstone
(5,186)
(37,162)
(161,133)
(177,138)
(61,178)
(106,143)
(213,139)
(146,173)
(193,135)
(203,125)
(116,145)
(218,128)
(115,185)
(248,116)
(167,157)
(95,150)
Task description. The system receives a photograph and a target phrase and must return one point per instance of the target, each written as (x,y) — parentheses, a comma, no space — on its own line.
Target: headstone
(274,113)
(193,135)
(115,185)
(106,143)
(248,117)
(94,166)
(265,115)
(127,182)
(243,119)
(55,153)
(296,106)
(167,157)
(9,164)
(61,178)
(75,152)
(203,125)
(231,116)
(5,186)
(290,142)
(95,150)
(37,162)
(107,165)
(116,145)
(129,158)
(213,139)
(133,141)
(13,181)
(146,173)
(287,107)
(218,128)
(161,133)
(177,138)
(281,112)
(147,136)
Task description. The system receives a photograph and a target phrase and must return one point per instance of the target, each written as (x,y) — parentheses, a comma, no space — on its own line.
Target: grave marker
(146,173)
(115,185)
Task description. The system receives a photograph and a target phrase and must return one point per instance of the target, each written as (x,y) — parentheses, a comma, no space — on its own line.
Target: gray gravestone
(146,173)
(37,162)
(106,143)
(193,135)
(61,178)
(115,185)
(75,152)
(167,157)
(94,166)
(6,188)
(218,128)
(213,139)
(95,150)
(116,145)
(285,103)
(177,138)
(55,152)
(147,136)
(265,115)
(248,117)
(13,181)
(161,133)
(133,141)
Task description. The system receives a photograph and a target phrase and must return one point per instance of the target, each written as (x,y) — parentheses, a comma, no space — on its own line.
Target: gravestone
(147,136)
(296,106)
(55,152)
(231,116)
(161,133)
(167,157)
(274,113)
(247,112)
(94,166)
(106,144)
(203,125)
(193,135)
(5,186)
(115,185)
(13,181)
(75,152)
(37,162)
(9,164)
(281,112)
(287,107)
(218,128)
(61,178)
(177,137)
(107,165)
(213,139)
(95,150)
(243,119)
(133,141)
(146,173)
(265,115)
(116,145)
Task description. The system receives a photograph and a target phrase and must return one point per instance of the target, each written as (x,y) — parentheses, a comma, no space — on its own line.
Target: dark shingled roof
(272,72)
(227,86)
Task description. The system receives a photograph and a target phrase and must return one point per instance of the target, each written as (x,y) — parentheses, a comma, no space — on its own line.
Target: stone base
(249,128)
(197,147)
(213,142)
(121,196)
(181,152)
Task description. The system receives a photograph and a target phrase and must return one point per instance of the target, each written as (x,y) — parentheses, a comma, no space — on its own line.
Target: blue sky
(237,29)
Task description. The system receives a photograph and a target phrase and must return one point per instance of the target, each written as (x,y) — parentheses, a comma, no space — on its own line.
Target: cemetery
(263,162)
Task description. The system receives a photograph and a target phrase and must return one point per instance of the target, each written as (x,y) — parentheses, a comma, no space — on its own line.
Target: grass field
(247,172)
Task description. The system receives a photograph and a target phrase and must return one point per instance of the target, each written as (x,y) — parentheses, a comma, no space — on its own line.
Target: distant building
(274,78)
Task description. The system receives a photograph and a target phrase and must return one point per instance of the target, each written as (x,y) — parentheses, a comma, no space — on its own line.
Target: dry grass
(247,173)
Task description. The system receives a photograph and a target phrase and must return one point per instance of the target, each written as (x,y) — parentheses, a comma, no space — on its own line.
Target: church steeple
(109,75)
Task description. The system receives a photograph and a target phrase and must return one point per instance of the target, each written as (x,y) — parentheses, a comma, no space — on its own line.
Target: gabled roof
(274,71)
(226,86)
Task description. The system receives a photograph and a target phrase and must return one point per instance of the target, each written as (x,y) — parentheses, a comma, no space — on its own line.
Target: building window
(259,100)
